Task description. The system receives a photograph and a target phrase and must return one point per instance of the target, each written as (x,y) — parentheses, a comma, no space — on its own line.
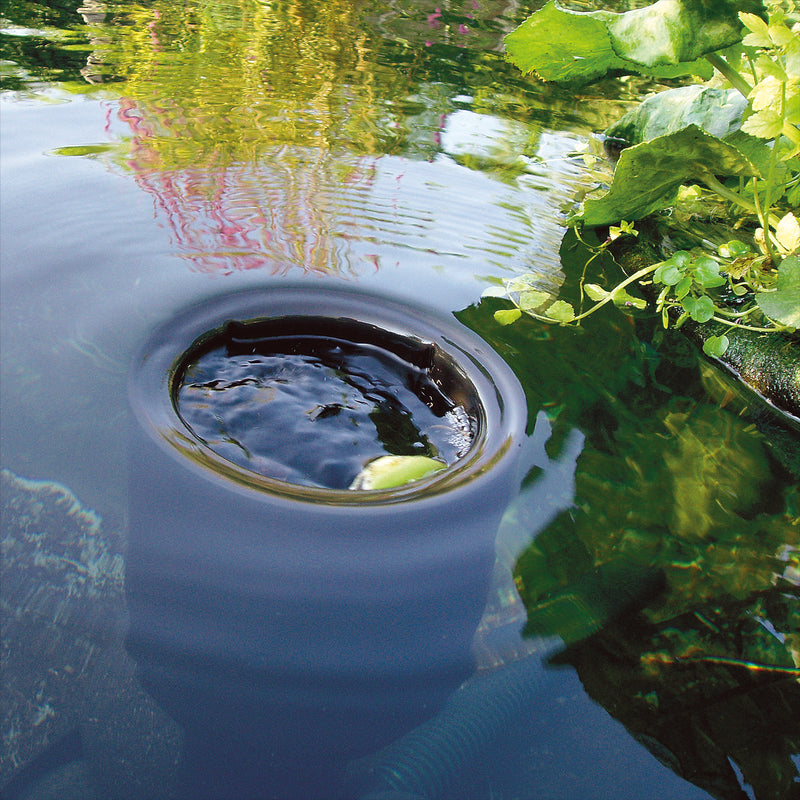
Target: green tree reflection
(674,578)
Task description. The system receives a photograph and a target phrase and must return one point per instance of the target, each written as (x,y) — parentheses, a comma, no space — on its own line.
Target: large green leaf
(561,45)
(716,111)
(678,31)
(783,305)
(648,175)
(665,39)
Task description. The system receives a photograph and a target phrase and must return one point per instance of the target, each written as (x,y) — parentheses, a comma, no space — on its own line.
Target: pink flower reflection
(281,212)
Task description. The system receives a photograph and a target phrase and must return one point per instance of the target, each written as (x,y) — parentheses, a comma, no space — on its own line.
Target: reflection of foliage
(218,80)
(274,214)
(710,692)
(681,491)
(42,42)
(713,675)
(672,493)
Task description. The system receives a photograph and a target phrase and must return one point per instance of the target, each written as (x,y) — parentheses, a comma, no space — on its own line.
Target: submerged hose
(431,762)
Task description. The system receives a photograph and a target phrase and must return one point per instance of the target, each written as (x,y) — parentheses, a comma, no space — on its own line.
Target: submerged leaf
(505,316)
(595,292)
(623,299)
(531,299)
(783,304)
(716,345)
(594,600)
(388,472)
(561,311)
(648,175)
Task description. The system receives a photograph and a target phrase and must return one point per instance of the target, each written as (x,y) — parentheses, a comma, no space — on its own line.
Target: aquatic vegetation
(735,139)
(61,606)
(672,577)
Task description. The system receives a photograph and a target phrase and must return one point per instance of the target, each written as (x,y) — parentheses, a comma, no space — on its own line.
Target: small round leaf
(715,346)
(507,315)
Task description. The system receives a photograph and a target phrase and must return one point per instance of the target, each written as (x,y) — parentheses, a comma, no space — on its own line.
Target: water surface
(644,605)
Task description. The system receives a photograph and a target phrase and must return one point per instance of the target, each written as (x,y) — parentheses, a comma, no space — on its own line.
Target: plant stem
(631,279)
(762,218)
(737,314)
(791,133)
(733,197)
(742,327)
(734,78)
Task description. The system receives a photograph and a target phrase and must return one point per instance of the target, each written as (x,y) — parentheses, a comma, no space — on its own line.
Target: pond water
(630,628)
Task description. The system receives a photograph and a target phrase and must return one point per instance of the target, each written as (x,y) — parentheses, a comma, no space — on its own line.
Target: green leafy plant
(732,143)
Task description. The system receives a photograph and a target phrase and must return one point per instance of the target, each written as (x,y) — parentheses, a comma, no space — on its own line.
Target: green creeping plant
(735,146)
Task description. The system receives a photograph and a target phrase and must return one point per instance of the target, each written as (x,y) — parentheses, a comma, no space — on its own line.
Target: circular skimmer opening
(312,401)
(291,391)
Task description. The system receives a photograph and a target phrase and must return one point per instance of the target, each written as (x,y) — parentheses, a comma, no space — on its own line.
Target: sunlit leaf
(665,39)
(792,62)
(788,233)
(506,316)
(765,93)
(624,228)
(672,31)
(783,304)
(562,45)
(759,32)
(780,35)
(766,124)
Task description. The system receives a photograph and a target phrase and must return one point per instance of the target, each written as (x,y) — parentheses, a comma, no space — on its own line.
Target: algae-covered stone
(63,666)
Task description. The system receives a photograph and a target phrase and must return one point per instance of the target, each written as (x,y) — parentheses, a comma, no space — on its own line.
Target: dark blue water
(173,637)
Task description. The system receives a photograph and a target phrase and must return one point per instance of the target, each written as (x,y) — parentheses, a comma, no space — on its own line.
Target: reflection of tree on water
(258,129)
(277,213)
(232,132)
